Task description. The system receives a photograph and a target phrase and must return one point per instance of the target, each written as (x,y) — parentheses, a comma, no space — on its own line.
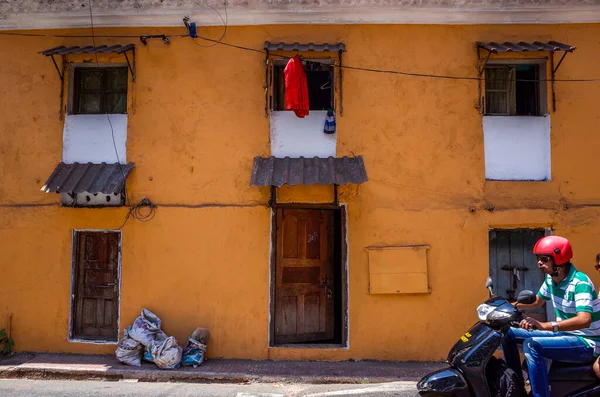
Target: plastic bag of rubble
(167,354)
(193,353)
(129,351)
(146,328)
(148,354)
(195,348)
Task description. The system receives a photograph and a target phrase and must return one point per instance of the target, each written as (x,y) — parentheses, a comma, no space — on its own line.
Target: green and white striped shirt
(576,293)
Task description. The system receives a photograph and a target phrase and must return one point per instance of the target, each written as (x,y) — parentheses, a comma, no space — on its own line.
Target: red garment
(296,88)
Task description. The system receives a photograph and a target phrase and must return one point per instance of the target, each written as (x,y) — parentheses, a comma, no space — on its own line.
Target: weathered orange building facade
(375,245)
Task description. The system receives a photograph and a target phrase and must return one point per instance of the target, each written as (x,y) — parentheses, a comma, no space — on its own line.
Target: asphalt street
(54,388)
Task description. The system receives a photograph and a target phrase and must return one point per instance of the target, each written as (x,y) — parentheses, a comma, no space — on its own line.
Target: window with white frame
(293,136)
(515,89)
(516,124)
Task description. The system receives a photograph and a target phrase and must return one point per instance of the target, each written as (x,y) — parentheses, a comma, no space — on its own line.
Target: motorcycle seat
(572,371)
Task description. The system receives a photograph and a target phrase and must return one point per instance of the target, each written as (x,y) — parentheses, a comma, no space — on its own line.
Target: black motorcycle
(469,373)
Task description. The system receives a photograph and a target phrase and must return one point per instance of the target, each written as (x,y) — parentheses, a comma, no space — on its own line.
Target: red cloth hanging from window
(296,88)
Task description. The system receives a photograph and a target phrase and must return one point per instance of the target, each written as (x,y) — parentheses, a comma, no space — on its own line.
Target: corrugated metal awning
(304,47)
(92,178)
(62,50)
(274,171)
(522,46)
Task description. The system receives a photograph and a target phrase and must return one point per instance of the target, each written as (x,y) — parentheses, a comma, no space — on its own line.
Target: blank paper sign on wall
(398,269)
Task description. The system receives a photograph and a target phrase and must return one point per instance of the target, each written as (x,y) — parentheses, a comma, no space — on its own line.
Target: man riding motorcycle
(575,336)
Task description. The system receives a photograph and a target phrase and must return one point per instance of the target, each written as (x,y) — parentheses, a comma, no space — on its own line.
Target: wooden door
(304,276)
(96,286)
(513,266)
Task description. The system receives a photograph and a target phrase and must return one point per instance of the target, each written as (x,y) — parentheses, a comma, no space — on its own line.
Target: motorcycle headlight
(491,313)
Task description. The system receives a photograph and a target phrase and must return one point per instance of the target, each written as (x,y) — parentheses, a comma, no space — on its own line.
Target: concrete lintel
(365,14)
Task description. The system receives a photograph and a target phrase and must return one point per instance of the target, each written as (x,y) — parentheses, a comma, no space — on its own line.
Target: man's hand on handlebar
(531,324)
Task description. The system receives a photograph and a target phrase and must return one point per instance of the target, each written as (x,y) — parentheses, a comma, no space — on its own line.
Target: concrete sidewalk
(106,367)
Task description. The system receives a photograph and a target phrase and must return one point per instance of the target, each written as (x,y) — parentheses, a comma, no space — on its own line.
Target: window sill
(93,114)
(89,200)
(93,341)
(331,346)
(92,206)
(520,180)
(516,115)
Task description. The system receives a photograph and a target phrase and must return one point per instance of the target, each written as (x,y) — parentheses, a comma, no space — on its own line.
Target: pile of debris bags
(145,340)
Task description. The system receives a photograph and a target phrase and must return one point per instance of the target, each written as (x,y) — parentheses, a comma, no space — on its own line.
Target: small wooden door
(96,286)
(513,266)
(304,276)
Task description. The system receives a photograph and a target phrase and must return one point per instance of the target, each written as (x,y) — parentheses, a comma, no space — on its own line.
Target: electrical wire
(357,68)
(112,131)
(403,73)
(134,210)
(225,22)
(62,36)
(93,34)
(239,47)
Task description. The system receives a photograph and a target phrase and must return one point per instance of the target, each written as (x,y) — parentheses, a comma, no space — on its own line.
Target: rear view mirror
(526,297)
(489,284)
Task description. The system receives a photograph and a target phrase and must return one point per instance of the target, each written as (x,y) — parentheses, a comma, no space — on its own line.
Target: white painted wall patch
(295,137)
(88,138)
(517,148)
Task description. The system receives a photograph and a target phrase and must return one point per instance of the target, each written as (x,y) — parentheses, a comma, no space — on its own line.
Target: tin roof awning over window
(62,50)
(336,47)
(92,178)
(551,46)
(274,171)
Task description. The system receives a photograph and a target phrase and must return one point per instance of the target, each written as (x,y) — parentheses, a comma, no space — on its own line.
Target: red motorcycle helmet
(557,247)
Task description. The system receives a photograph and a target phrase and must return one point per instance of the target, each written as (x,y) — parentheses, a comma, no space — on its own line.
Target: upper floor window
(319,78)
(309,128)
(94,164)
(515,89)
(517,147)
(100,90)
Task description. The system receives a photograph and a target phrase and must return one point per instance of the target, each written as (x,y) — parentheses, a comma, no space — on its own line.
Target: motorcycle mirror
(489,284)
(526,297)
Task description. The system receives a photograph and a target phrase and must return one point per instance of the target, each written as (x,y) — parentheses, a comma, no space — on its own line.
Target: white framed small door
(96,281)
(513,266)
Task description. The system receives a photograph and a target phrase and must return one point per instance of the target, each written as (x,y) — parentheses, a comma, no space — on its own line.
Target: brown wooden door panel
(96,286)
(290,245)
(301,274)
(302,263)
(287,315)
(304,276)
(314,317)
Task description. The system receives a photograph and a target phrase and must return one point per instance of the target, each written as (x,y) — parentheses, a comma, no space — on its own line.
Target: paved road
(52,388)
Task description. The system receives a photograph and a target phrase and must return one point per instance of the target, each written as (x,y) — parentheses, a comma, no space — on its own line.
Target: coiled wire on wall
(136,211)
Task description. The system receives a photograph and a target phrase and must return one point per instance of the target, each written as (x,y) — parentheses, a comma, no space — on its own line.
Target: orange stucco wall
(196,121)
